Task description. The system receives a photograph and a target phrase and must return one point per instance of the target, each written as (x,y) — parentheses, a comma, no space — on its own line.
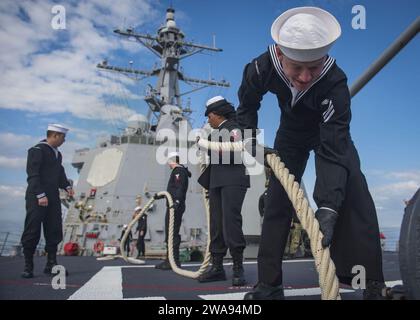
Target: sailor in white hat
(54,127)
(227,183)
(177,187)
(46,176)
(141,228)
(314,100)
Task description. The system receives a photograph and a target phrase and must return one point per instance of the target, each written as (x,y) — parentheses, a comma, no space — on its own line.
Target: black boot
(238,278)
(176,255)
(216,272)
(375,290)
(164,265)
(51,262)
(28,271)
(264,291)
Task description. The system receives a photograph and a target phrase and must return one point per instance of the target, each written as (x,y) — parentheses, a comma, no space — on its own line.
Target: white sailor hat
(214,100)
(218,103)
(305,33)
(172,155)
(57,128)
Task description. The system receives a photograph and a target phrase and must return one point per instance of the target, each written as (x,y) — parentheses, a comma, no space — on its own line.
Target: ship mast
(169,45)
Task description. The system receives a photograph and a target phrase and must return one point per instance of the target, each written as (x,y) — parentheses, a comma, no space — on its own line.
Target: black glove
(268,151)
(175,205)
(158,197)
(327,220)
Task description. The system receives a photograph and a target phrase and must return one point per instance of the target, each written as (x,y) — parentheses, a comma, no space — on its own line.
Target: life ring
(98,247)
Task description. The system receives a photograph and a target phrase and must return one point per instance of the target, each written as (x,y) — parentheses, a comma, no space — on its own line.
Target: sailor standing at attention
(43,207)
(314,101)
(227,183)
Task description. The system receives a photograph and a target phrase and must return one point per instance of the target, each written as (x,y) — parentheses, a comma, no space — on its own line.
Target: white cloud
(13,163)
(12,191)
(413,175)
(401,186)
(54,71)
(389,192)
(12,204)
(398,188)
(15,145)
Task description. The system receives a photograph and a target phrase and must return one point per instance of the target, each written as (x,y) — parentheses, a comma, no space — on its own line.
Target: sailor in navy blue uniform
(43,207)
(127,243)
(314,101)
(227,181)
(177,188)
(141,228)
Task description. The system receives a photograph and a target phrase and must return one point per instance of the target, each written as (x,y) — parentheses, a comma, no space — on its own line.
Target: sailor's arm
(33,170)
(180,182)
(250,95)
(332,156)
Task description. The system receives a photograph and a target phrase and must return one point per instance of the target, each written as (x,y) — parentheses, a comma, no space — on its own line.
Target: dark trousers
(127,246)
(226,219)
(177,225)
(356,234)
(277,218)
(141,249)
(50,219)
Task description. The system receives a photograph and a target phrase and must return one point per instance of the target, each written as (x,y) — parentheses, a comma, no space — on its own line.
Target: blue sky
(49,75)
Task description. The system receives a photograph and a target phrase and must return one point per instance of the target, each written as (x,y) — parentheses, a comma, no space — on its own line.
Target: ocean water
(392,235)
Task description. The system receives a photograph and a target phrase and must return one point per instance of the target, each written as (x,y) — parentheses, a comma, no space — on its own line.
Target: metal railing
(10,244)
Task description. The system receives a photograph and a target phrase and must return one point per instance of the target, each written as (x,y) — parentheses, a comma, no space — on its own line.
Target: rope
(207,255)
(123,254)
(175,268)
(325,267)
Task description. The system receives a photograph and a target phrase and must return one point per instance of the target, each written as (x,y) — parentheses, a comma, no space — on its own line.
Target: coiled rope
(123,254)
(175,268)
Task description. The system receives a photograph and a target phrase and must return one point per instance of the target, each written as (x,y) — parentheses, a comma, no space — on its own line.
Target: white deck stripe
(105,285)
(199,264)
(287,293)
(146,298)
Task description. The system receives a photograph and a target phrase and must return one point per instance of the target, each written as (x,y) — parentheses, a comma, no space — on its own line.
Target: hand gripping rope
(207,255)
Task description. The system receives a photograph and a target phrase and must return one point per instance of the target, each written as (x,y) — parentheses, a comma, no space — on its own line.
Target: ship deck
(90,279)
